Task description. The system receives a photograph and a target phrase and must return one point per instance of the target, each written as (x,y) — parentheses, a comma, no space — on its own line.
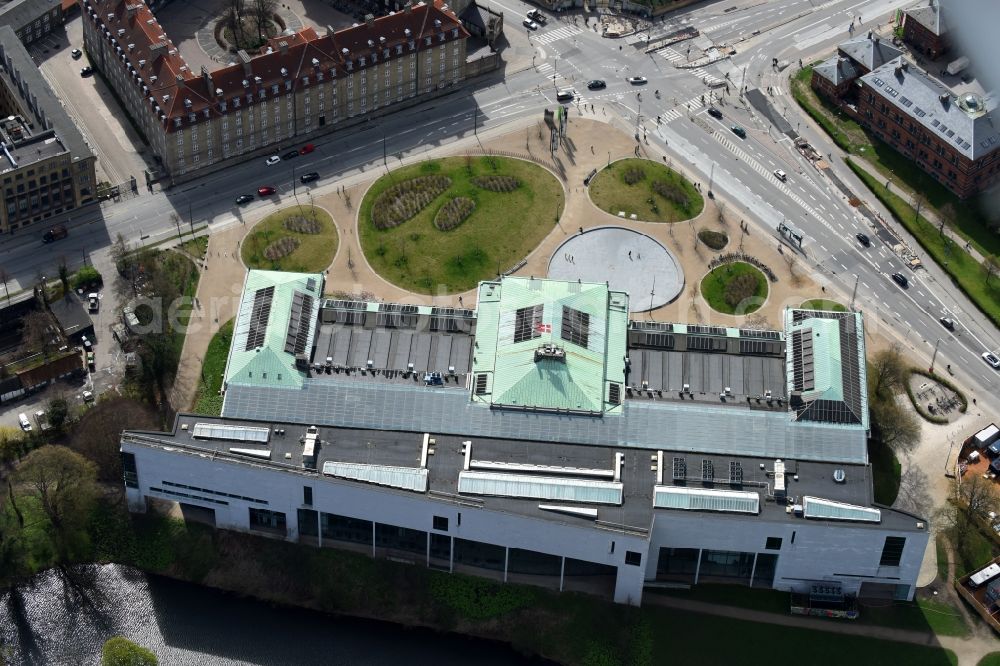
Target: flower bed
(403,201)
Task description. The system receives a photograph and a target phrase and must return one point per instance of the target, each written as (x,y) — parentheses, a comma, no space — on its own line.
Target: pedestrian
(630,255)
(638,256)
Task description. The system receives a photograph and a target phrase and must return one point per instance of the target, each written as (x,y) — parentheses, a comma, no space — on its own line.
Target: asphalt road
(567,54)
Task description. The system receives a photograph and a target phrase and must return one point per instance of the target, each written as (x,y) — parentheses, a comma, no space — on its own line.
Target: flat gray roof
(749,429)
(19,13)
(403,448)
(20,74)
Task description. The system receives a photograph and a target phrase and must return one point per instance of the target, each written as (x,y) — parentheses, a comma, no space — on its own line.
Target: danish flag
(543,328)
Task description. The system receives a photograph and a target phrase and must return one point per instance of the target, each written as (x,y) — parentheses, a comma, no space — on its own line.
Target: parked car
(948,323)
(91,363)
(537,16)
(55,233)
(86,71)
(265,190)
(529,24)
(565,95)
(244,199)
(93,302)
(22,419)
(863,239)
(309,177)
(87,344)
(290,155)
(306,149)
(40,420)
(739,131)
(596,84)
(637,80)
(780,175)
(76,53)
(991,359)
(900,279)
(88,396)
(714,112)
(272,160)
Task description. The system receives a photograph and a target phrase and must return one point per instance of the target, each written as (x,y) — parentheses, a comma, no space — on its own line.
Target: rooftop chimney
(180,81)
(244,58)
(157,49)
(132,10)
(283,45)
(206,77)
(409,7)
(369,19)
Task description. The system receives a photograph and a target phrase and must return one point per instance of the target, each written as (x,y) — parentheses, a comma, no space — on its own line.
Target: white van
(780,175)
(25,423)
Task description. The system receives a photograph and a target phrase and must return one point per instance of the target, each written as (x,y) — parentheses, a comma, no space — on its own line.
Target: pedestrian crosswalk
(708,78)
(764,171)
(674,57)
(669,54)
(557,34)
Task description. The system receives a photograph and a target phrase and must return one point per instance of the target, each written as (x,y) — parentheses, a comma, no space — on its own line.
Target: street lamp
(855,292)
(934,357)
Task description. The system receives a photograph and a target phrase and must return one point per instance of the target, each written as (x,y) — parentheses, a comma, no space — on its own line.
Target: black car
(87,71)
(290,154)
(76,53)
(244,199)
(309,177)
(596,84)
(900,279)
(863,239)
(714,112)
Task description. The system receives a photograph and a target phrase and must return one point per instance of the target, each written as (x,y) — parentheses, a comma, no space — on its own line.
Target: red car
(306,149)
(265,191)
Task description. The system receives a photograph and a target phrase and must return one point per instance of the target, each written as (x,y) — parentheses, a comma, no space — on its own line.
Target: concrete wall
(821,550)
(283,491)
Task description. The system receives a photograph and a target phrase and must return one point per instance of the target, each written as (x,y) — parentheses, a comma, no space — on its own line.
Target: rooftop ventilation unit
(407,32)
(345,51)
(315,62)
(142,63)
(550,351)
(839,476)
(257,80)
(780,494)
(246,84)
(284,71)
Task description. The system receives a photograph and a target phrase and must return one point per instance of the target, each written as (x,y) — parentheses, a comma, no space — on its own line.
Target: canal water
(48,621)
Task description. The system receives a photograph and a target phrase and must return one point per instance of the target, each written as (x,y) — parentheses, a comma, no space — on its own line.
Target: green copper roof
(262,351)
(826,356)
(548,344)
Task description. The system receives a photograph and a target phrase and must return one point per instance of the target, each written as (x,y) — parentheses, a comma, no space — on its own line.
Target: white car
(272,160)
(780,175)
(88,396)
(991,359)
(637,80)
(529,24)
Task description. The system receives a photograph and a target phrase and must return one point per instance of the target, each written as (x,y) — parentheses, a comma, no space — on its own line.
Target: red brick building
(952,137)
(855,57)
(925,30)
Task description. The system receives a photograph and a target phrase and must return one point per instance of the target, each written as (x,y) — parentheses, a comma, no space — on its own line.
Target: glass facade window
(773,543)
(131,473)
(478,554)
(400,538)
(441,523)
(533,563)
(726,564)
(892,551)
(763,575)
(308,522)
(268,521)
(342,528)
(307,495)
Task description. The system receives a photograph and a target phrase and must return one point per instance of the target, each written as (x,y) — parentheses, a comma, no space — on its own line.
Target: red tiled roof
(284,57)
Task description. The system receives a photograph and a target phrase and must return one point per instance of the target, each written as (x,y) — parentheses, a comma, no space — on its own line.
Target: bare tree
(887,371)
(64,274)
(946,215)
(978,496)
(97,434)
(38,333)
(894,425)
(262,11)
(5,278)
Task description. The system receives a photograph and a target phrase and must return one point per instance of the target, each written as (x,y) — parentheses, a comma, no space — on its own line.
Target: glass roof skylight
(824,509)
(524,486)
(405,478)
(231,433)
(705,499)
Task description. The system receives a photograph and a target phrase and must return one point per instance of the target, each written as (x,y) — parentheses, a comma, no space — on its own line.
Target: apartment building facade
(296,87)
(46,166)
(32,19)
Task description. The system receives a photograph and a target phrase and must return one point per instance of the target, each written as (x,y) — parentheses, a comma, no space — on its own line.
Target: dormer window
(361,61)
(427,41)
(261,94)
(222,106)
(249,98)
(177,121)
(413,45)
(288,85)
(385,54)
(206,112)
(305,80)
(442,36)
(399,49)
(236,102)
(319,76)
(374,57)
(350,65)
(192,118)
(274,89)
(454,32)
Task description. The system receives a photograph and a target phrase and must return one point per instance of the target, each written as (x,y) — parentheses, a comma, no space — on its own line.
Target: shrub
(303,225)
(404,200)
(87,275)
(713,239)
(740,288)
(633,175)
(453,213)
(497,183)
(281,248)
(119,651)
(672,192)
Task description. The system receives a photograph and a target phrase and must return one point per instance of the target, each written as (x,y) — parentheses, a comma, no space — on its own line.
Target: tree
(57,413)
(946,215)
(97,434)
(64,274)
(38,334)
(992,266)
(262,11)
(5,278)
(894,425)
(886,372)
(119,651)
(978,496)
(12,442)
(64,484)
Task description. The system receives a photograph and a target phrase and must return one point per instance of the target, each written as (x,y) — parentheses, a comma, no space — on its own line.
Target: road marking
(557,34)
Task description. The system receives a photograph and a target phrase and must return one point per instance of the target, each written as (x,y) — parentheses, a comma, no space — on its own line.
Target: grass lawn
(713,288)
(823,304)
(771,601)
(184,273)
(196,247)
(992,659)
(208,400)
(940,542)
(965,271)
(979,549)
(314,253)
(500,232)
(611,193)
(886,472)
(922,615)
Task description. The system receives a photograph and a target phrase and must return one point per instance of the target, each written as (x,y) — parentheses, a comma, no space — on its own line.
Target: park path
(969,650)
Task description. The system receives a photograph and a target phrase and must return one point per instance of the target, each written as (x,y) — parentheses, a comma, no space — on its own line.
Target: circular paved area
(627,260)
